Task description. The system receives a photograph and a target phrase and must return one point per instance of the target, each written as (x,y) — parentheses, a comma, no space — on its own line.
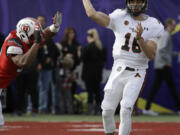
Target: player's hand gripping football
(139,30)
(57,19)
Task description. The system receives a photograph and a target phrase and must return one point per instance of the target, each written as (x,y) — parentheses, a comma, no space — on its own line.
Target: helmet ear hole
(31,37)
(23,36)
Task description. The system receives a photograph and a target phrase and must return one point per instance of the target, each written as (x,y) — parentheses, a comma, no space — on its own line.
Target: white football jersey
(125,48)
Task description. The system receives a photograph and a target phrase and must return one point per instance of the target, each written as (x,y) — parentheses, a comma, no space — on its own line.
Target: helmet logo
(25,28)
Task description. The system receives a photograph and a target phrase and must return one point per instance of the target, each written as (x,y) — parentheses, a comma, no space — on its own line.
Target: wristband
(53,28)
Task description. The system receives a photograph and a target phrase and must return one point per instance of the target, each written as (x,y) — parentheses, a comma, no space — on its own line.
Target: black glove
(37,36)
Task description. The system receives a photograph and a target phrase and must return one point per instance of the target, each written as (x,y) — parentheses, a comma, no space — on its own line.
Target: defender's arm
(52,30)
(24,60)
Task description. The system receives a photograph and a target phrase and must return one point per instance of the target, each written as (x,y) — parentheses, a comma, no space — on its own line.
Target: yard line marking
(102,130)
(86,125)
(6,128)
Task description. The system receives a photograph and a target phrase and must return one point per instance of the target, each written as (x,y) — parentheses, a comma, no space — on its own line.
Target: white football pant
(122,87)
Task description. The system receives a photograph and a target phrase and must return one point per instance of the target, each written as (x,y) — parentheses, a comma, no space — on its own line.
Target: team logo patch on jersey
(134,29)
(137,75)
(126,22)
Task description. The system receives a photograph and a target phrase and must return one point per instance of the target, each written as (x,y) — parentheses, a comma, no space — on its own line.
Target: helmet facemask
(136,7)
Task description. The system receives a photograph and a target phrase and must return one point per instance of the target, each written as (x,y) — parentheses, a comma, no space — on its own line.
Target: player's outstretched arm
(99,17)
(53,29)
(24,60)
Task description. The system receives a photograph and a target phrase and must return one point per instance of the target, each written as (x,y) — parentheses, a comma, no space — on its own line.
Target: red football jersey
(9,70)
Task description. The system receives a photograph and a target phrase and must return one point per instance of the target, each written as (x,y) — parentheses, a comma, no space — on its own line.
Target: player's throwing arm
(99,17)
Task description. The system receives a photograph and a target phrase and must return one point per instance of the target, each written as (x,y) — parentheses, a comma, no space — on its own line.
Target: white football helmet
(25,29)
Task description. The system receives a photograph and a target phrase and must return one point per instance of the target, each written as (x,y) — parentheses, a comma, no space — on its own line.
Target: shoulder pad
(119,12)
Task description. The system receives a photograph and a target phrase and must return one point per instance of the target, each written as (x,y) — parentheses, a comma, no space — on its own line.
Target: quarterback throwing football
(20,48)
(135,44)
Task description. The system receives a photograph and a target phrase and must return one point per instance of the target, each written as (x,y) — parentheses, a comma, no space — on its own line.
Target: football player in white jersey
(135,44)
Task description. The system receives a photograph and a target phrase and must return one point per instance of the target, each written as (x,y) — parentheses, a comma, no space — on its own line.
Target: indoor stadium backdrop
(74,15)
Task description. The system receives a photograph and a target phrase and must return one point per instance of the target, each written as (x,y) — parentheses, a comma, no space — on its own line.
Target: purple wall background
(74,15)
